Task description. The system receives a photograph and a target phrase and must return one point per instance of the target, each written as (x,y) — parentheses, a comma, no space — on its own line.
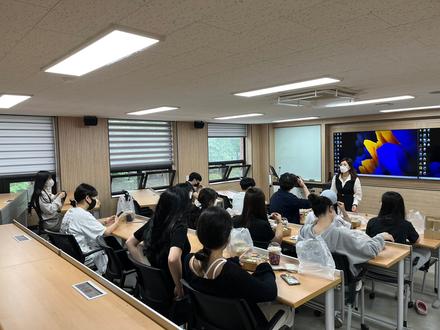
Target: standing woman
(347,185)
(45,203)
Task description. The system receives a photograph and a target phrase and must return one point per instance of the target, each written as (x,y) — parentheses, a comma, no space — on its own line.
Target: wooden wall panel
(260,156)
(84,157)
(192,151)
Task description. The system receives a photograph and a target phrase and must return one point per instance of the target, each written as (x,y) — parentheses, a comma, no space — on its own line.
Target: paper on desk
(288,267)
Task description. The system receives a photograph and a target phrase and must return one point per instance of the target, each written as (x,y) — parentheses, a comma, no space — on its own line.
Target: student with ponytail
(209,272)
(80,223)
(356,245)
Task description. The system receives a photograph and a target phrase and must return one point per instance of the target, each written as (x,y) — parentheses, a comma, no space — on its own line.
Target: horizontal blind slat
(139,143)
(26,145)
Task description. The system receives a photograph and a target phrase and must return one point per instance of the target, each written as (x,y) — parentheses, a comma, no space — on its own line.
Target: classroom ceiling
(212,49)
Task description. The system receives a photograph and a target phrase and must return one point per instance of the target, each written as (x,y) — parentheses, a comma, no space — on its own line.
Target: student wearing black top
(254,218)
(347,185)
(286,203)
(208,272)
(207,198)
(164,237)
(391,219)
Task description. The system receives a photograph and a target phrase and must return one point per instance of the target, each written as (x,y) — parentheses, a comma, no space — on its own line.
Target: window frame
(5,181)
(230,164)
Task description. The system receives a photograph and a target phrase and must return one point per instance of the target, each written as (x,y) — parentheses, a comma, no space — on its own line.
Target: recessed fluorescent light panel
(9,100)
(412,109)
(152,110)
(371,101)
(110,48)
(240,116)
(289,87)
(294,119)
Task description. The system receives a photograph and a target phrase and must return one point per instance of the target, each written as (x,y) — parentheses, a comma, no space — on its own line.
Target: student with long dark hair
(164,237)
(356,245)
(392,219)
(254,217)
(208,272)
(79,222)
(206,198)
(238,198)
(347,185)
(46,204)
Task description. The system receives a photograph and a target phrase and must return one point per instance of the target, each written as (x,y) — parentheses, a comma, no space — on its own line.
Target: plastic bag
(417,219)
(315,258)
(240,242)
(125,204)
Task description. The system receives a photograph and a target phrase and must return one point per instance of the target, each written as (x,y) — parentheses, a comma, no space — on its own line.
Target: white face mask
(343,168)
(49,183)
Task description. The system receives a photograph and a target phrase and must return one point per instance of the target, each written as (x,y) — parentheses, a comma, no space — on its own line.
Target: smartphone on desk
(290,279)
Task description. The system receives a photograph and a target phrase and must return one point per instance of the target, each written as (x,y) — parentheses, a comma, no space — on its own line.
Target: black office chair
(151,287)
(118,266)
(350,282)
(69,245)
(214,313)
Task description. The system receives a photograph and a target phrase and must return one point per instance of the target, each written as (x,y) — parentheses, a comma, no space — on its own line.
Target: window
(141,154)
(227,152)
(27,146)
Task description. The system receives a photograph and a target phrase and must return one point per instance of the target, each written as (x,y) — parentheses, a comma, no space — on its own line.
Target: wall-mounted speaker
(199,124)
(90,121)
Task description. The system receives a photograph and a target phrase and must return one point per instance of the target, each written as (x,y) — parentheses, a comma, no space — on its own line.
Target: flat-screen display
(407,153)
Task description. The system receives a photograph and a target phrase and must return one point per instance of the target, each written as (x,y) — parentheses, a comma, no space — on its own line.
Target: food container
(274,250)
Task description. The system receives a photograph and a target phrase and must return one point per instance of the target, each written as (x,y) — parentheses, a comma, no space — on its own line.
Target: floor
(384,305)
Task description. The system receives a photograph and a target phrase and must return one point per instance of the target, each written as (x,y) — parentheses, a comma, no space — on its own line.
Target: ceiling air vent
(316,97)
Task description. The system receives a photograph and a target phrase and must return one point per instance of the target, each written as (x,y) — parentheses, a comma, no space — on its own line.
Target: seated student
(391,219)
(46,204)
(238,198)
(341,216)
(207,198)
(80,223)
(287,204)
(194,180)
(208,272)
(357,246)
(254,217)
(164,237)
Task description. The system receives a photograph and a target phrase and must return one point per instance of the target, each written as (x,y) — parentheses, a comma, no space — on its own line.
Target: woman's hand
(277,217)
(178,292)
(354,208)
(301,183)
(388,237)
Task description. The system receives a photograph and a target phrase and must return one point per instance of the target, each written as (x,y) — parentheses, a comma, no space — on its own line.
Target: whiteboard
(298,151)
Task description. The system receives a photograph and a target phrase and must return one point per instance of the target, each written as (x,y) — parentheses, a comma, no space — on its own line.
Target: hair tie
(73,202)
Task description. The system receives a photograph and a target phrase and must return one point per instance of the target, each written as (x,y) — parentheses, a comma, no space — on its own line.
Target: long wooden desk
(294,296)
(36,291)
(145,197)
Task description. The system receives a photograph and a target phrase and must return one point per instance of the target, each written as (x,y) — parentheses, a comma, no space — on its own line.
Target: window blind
(26,145)
(227,130)
(139,144)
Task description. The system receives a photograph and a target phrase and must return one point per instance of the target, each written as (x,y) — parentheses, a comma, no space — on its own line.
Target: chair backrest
(66,243)
(117,257)
(153,288)
(341,263)
(216,313)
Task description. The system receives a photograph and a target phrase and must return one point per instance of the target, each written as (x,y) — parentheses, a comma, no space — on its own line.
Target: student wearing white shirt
(80,223)
(347,185)
(45,203)
(238,198)
(341,218)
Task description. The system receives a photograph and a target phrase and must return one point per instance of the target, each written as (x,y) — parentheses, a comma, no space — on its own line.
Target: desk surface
(5,199)
(295,296)
(125,230)
(145,197)
(36,292)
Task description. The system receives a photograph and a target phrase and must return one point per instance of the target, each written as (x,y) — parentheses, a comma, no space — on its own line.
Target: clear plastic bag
(240,242)
(315,258)
(417,219)
(125,204)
